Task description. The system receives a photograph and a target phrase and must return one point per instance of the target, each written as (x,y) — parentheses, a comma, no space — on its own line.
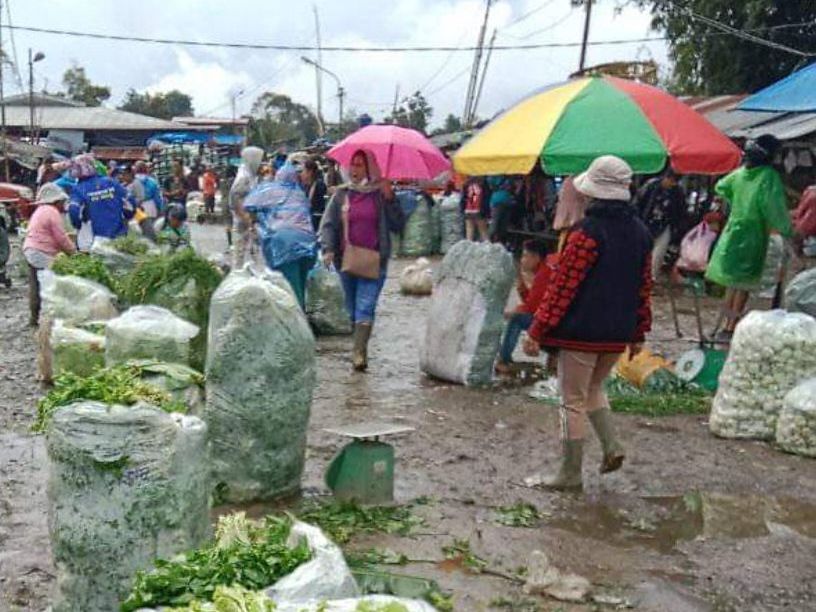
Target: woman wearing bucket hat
(46,238)
(597,305)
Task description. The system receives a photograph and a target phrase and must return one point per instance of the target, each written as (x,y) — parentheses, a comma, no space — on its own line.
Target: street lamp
(340,91)
(36,57)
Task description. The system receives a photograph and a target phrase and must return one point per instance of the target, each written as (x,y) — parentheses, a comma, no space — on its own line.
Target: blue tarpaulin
(182,137)
(795,93)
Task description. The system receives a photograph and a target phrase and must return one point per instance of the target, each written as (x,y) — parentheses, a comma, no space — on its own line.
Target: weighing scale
(363,470)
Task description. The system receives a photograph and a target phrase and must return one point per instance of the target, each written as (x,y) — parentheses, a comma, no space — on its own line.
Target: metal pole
(340,93)
(475,104)
(474,71)
(588,4)
(3,100)
(318,76)
(31,95)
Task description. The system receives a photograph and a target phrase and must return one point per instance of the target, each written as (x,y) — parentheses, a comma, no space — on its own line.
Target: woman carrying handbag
(355,235)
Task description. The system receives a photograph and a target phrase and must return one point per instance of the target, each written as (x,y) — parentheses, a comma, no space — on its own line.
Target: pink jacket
(46,232)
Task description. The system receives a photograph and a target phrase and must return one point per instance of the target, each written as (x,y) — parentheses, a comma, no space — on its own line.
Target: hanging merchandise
(771,353)
(126,484)
(260,379)
(466,316)
(695,248)
(149,332)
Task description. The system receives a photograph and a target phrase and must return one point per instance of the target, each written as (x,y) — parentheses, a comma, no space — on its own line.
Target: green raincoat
(758,206)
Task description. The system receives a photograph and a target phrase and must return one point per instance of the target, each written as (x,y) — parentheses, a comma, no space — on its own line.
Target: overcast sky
(210,75)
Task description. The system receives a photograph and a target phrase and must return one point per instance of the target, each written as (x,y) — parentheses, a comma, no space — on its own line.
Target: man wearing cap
(596,306)
(46,238)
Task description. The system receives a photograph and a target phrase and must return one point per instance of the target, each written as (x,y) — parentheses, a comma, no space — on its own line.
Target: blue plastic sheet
(794,93)
(283,215)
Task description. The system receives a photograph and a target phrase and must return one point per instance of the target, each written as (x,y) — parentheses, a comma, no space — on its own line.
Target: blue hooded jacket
(104,202)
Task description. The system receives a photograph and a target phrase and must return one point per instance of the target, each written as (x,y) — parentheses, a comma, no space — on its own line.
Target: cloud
(209,83)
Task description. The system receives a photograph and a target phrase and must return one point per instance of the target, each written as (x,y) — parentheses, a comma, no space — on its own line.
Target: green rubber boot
(359,354)
(613,454)
(568,476)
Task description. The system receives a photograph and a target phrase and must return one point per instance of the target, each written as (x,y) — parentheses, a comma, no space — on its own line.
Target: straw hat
(607,178)
(49,194)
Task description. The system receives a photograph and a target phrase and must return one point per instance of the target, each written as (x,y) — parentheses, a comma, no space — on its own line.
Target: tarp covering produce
(149,332)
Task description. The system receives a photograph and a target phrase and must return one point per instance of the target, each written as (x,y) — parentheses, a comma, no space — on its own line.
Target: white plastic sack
(74,299)
(117,262)
(796,428)
(149,332)
(696,247)
(375,603)
(452,224)
(325,576)
(771,353)
(260,379)
(75,350)
(774,261)
(417,279)
(325,302)
(466,316)
(417,237)
(800,295)
(125,485)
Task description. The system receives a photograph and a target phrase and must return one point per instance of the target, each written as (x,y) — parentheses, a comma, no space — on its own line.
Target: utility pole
(482,81)
(396,101)
(3,100)
(588,5)
(474,71)
(318,76)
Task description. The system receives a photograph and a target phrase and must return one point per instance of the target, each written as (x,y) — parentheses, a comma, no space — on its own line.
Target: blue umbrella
(796,93)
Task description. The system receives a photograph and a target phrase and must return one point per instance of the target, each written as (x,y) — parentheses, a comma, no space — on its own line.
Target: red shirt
(531,298)
(804,217)
(473,198)
(210,183)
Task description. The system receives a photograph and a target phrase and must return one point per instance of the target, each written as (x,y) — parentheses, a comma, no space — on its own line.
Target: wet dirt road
(691,523)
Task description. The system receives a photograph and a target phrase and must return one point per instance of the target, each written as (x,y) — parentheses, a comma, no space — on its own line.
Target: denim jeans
(519,322)
(362,295)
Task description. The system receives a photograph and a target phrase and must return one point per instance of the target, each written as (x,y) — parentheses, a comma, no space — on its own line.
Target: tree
(452,124)
(277,119)
(708,61)
(413,112)
(80,89)
(162,105)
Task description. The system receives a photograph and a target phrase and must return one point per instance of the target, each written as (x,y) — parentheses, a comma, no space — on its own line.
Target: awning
(120,153)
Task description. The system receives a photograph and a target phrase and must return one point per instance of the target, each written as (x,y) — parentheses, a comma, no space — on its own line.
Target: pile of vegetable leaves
(130,244)
(342,520)
(120,384)
(663,396)
(85,266)
(246,554)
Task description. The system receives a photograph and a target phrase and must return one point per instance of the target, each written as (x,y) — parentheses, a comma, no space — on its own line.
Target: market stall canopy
(796,93)
(567,125)
(401,153)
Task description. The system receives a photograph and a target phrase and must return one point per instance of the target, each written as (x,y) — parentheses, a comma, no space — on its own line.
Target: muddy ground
(691,522)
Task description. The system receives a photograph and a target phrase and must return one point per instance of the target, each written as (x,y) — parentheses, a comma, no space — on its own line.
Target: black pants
(33,296)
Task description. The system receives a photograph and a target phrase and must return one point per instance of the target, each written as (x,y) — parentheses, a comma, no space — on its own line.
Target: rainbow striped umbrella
(568,125)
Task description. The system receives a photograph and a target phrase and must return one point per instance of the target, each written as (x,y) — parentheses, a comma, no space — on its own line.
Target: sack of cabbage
(770,354)
(796,429)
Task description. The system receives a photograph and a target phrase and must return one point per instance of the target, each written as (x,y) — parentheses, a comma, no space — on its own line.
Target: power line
(453,79)
(529,14)
(271,47)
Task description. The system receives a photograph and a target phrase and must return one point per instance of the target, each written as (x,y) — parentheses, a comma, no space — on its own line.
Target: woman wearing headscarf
(355,233)
(245,181)
(281,211)
(597,305)
(98,201)
(758,207)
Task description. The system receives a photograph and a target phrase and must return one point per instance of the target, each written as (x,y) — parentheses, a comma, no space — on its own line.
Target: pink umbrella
(401,153)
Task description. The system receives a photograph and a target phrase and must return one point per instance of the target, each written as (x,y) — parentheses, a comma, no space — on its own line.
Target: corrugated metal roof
(211,121)
(784,127)
(85,118)
(120,153)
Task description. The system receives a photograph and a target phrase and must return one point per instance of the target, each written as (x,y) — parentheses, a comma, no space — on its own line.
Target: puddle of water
(661,522)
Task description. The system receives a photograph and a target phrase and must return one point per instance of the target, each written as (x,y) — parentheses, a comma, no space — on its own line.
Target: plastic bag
(417,237)
(369,603)
(74,299)
(117,262)
(75,350)
(417,279)
(452,224)
(796,428)
(149,332)
(325,302)
(800,295)
(466,317)
(771,353)
(183,383)
(696,248)
(125,485)
(774,262)
(260,379)
(436,228)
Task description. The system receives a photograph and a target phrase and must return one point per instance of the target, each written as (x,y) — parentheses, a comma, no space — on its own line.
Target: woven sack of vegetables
(800,294)
(74,299)
(436,228)
(325,302)
(451,223)
(466,316)
(796,428)
(125,485)
(260,378)
(149,332)
(771,353)
(417,237)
